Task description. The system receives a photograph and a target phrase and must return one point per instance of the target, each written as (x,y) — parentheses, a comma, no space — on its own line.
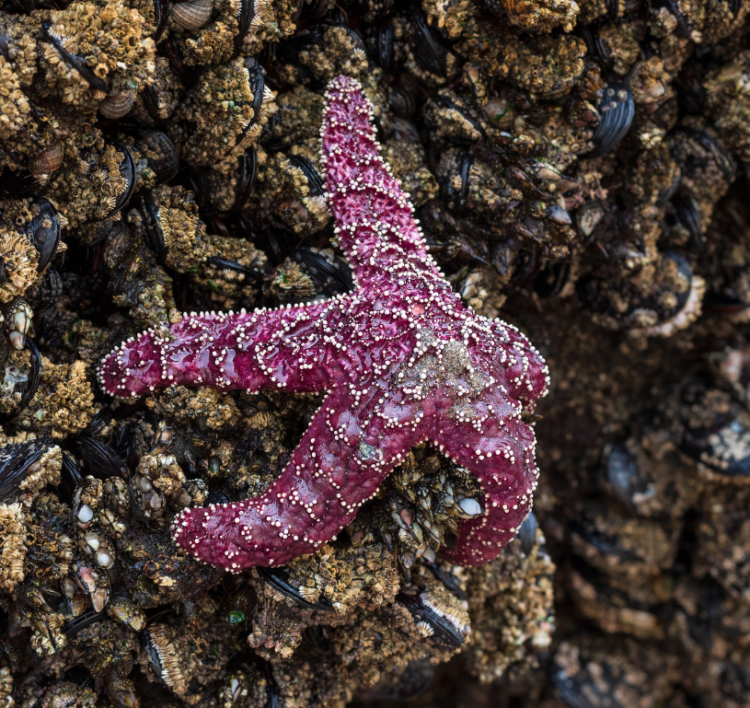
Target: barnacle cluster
(581,167)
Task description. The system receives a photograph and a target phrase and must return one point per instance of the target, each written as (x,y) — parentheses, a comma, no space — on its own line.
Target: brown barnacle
(232,270)
(156,102)
(408,161)
(47,637)
(164,657)
(289,283)
(124,610)
(338,51)
(649,81)
(19,264)
(166,218)
(291,189)
(511,605)
(147,503)
(97,544)
(12,548)
(223,114)
(142,285)
(87,51)
(86,502)
(545,66)
(96,184)
(542,16)
(68,693)
(115,496)
(94,583)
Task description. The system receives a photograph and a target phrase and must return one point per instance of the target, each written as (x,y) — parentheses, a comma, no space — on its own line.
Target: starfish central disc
(401,358)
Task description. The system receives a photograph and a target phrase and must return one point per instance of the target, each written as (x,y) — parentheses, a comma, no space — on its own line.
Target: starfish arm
(286,348)
(374,218)
(502,458)
(339,464)
(524,371)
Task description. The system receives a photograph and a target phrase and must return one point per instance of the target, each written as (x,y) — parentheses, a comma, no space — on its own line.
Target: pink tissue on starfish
(403,361)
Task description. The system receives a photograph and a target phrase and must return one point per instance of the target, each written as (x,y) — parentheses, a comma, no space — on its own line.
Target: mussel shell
(429,51)
(402,101)
(15,460)
(128,171)
(617,110)
(278,579)
(245,19)
(333,277)
(314,180)
(589,216)
(32,385)
(166,165)
(688,215)
(443,629)
(621,471)
(724,447)
(100,460)
(379,42)
(527,533)
(721,157)
(71,628)
(72,61)
(447,578)
(151,229)
(598,294)
(247,173)
(161,15)
(550,281)
(46,239)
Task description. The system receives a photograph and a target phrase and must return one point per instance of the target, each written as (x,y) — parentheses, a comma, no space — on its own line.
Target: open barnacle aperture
(402,360)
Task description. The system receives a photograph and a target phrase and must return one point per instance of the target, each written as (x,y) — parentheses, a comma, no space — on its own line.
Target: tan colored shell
(47,161)
(117,104)
(191,15)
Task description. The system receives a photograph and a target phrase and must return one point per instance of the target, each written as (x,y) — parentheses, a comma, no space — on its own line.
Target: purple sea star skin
(403,361)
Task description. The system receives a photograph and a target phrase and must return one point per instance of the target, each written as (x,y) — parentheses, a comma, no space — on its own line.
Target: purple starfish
(403,361)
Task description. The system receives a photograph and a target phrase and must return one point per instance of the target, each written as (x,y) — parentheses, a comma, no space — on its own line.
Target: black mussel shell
(172,51)
(443,629)
(278,579)
(74,62)
(314,180)
(15,461)
(244,19)
(152,231)
(402,101)
(128,171)
(257,79)
(429,51)
(226,264)
(216,496)
(46,238)
(687,214)
(724,447)
(100,460)
(724,303)
(72,627)
(452,104)
(32,383)
(527,533)
(151,103)
(379,40)
(621,471)
(710,145)
(167,163)
(550,281)
(616,110)
(606,544)
(447,578)
(333,277)
(247,173)
(598,295)
(161,14)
